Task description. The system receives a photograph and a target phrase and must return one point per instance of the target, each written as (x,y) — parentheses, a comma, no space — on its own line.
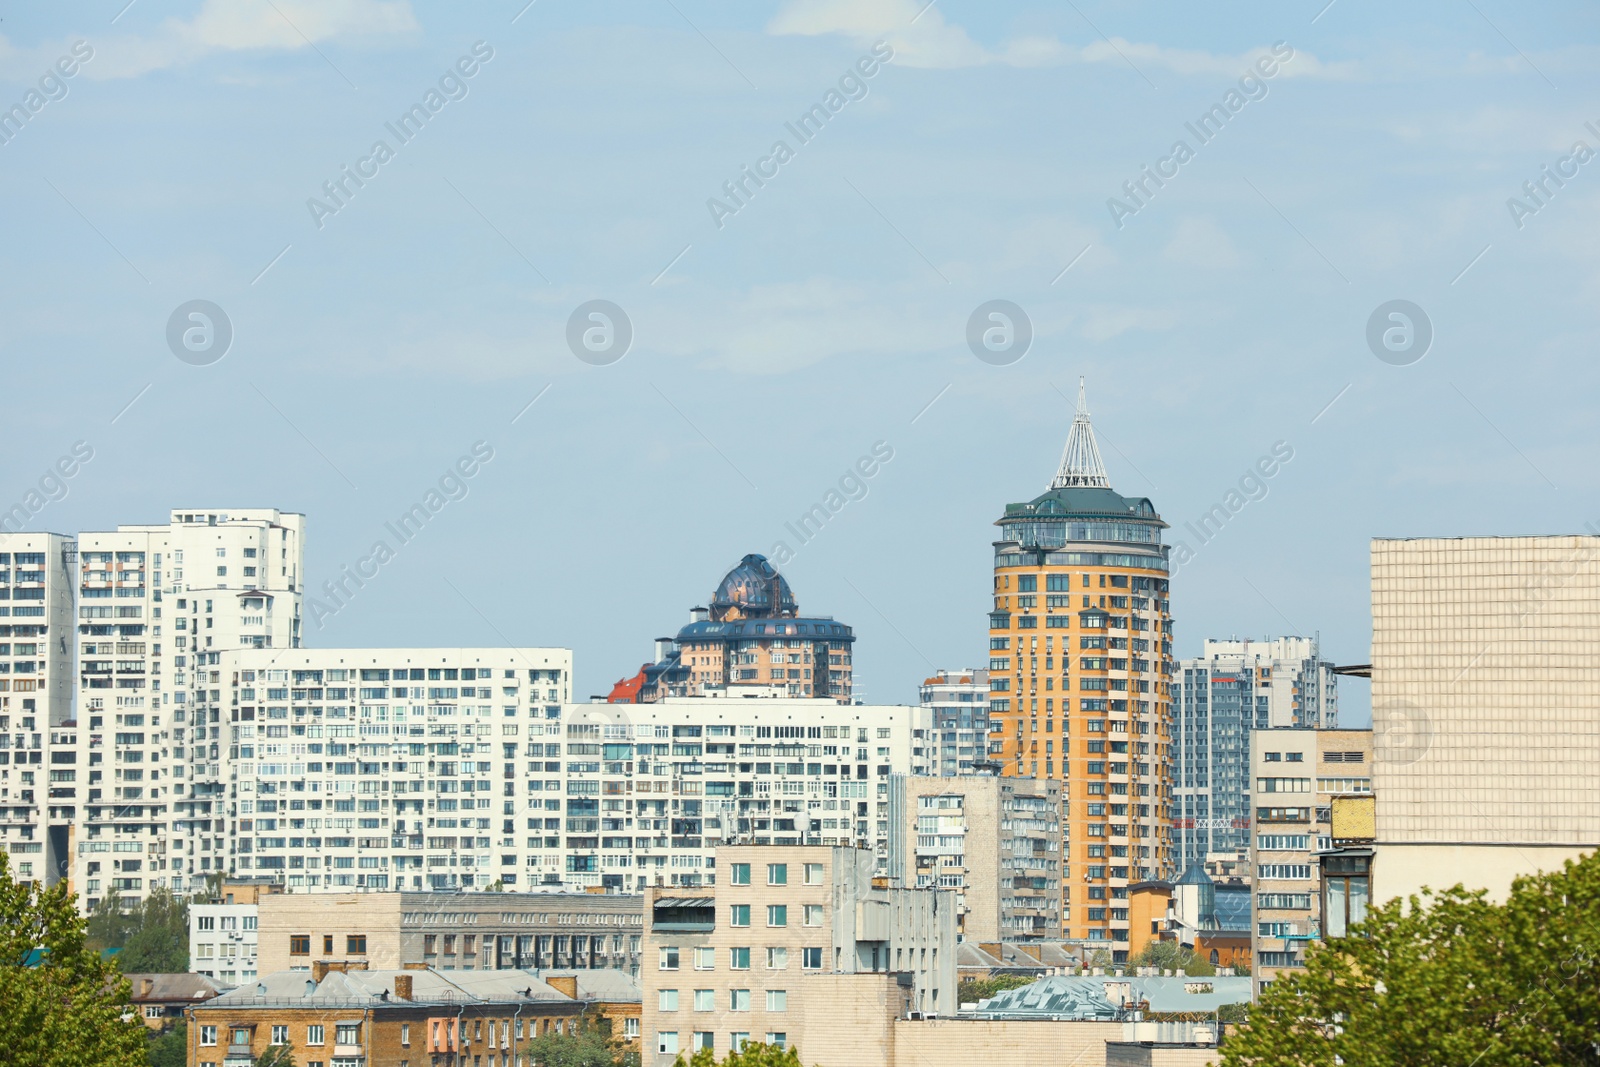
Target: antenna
(1081,465)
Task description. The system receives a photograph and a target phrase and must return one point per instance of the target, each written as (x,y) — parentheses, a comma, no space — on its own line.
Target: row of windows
(667,1041)
(777,915)
(777,874)
(354,944)
(705,957)
(738,1000)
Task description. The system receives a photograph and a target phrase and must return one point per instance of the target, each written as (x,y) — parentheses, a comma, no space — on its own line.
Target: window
(777,874)
(669,958)
(777,959)
(241,1036)
(738,1000)
(208,1035)
(667,1000)
(777,915)
(327,944)
(740,874)
(347,1033)
(152,1011)
(299,944)
(811,958)
(739,915)
(315,1034)
(705,1000)
(280,1035)
(739,959)
(704,1039)
(777,1000)
(737,1039)
(630,1026)
(813,914)
(356,944)
(777,1040)
(667,1042)
(705,958)
(813,874)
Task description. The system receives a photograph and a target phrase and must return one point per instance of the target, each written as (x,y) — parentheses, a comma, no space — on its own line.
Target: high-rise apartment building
(1080,674)
(959,701)
(146,811)
(36,762)
(994,842)
(752,636)
(1235,687)
(1296,773)
(1485,699)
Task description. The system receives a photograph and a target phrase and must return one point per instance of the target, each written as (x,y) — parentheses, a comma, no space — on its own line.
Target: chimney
(563,983)
(145,986)
(402,986)
(319,971)
(415,966)
(663,648)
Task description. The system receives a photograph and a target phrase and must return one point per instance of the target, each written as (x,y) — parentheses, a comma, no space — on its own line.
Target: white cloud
(222,26)
(922,38)
(1200,242)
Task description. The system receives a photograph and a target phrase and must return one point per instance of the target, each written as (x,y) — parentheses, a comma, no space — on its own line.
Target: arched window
(1215,959)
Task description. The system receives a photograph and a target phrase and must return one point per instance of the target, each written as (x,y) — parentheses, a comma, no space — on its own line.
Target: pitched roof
(172,987)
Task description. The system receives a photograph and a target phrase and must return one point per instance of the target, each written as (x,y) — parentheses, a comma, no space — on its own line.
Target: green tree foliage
(276,1056)
(1446,979)
(972,990)
(72,1009)
(171,1047)
(153,937)
(591,1045)
(754,1054)
(1170,955)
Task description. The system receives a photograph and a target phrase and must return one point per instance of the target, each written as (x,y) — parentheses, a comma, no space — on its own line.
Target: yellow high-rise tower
(1080,679)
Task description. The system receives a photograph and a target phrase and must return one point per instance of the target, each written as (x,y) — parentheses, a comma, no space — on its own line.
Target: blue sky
(1223,316)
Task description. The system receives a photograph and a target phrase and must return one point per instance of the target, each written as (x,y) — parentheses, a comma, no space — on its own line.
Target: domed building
(751,637)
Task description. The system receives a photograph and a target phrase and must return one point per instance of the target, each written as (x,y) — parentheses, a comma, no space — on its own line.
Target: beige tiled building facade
(1485,708)
(994,842)
(739,963)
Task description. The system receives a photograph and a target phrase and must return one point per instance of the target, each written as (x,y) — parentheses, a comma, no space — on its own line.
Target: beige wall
(377,915)
(1403,870)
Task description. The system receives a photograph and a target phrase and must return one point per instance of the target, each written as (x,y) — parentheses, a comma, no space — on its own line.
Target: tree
(276,1056)
(153,936)
(972,990)
(1170,955)
(171,1047)
(754,1054)
(1447,978)
(72,1008)
(590,1044)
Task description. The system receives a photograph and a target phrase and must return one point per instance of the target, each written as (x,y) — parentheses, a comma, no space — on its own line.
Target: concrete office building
(738,964)
(1220,696)
(1080,674)
(959,701)
(36,735)
(1296,774)
(215,581)
(1485,700)
(996,843)
(223,932)
(451,931)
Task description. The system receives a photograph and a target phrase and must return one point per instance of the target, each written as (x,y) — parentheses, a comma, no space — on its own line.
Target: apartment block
(1235,687)
(959,701)
(996,843)
(1484,702)
(36,749)
(224,932)
(737,964)
(215,581)
(1297,774)
(355,1017)
(451,932)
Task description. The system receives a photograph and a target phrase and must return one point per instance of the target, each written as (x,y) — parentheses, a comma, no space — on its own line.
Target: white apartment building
(1296,773)
(329,774)
(1235,687)
(215,581)
(959,701)
(223,941)
(36,583)
(1485,704)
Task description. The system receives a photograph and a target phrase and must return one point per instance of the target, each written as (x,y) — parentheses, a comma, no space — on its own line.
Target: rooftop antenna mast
(1081,466)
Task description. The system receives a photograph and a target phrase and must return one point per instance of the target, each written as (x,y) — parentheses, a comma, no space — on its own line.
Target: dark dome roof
(755,589)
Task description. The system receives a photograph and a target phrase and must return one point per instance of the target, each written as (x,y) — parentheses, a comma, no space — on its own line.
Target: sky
(362,339)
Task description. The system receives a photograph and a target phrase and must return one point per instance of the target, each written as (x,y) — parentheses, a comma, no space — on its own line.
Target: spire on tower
(1081,465)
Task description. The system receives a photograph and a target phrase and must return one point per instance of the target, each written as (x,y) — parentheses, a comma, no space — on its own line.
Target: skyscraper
(1080,672)
(960,703)
(1220,696)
